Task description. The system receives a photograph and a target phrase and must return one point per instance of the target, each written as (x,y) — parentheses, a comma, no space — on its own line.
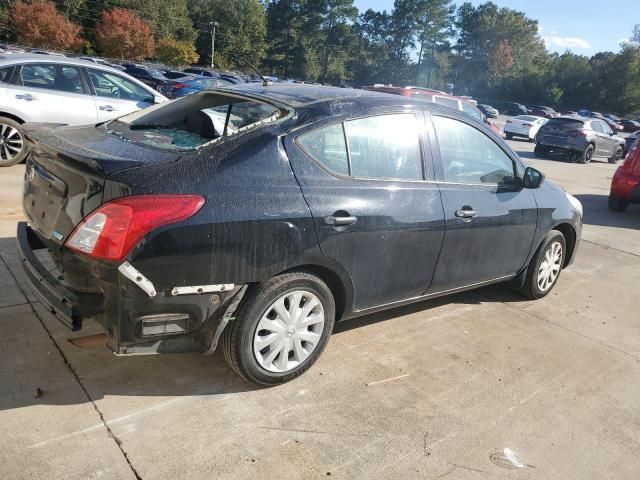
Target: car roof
(300,94)
(15,58)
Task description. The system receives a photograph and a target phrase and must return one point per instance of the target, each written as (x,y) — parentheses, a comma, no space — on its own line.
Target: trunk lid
(66,173)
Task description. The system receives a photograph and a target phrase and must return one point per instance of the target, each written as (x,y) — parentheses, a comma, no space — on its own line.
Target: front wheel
(545,266)
(508,135)
(281,329)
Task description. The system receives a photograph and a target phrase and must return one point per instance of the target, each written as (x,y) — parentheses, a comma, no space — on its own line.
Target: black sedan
(254,217)
(152,77)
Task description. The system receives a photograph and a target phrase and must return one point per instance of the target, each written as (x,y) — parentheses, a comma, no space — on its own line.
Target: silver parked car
(35,88)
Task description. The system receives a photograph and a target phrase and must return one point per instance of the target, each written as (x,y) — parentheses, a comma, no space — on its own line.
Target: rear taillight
(577,133)
(112,230)
(527,125)
(179,85)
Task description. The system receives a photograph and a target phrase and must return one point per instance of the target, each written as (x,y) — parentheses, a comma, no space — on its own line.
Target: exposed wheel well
(12,117)
(570,238)
(333,282)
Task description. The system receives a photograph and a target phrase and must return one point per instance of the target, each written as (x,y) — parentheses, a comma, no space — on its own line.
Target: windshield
(193,121)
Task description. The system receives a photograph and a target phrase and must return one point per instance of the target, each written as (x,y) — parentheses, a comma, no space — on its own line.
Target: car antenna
(243,61)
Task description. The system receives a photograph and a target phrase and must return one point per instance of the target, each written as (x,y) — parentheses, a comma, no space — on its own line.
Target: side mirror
(532,178)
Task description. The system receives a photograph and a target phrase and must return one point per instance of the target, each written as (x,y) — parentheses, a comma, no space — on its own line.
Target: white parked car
(524,126)
(39,88)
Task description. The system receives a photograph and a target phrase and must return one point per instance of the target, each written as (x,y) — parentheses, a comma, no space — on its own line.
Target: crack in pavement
(610,248)
(111,434)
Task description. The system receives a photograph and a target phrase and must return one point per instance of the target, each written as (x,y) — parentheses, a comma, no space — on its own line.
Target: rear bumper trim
(68,306)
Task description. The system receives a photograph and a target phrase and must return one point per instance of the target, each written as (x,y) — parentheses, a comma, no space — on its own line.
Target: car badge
(31,174)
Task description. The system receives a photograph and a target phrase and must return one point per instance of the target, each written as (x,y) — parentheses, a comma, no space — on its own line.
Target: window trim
(440,178)
(17,77)
(423,145)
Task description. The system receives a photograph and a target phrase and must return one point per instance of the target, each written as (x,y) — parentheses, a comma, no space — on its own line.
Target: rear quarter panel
(254,224)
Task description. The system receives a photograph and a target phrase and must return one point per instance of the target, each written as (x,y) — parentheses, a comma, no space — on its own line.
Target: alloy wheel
(11,142)
(550,267)
(289,331)
(619,153)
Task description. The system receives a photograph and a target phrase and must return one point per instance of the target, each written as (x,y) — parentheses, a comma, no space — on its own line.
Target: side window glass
(63,78)
(469,156)
(596,127)
(5,74)
(326,145)
(107,84)
(385,146)
(447,102)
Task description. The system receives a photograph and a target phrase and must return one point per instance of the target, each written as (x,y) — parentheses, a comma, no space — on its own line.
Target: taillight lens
(179,85)
(112,230)
(577,133)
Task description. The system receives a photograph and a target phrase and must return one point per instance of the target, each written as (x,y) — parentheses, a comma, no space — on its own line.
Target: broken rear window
(194,121)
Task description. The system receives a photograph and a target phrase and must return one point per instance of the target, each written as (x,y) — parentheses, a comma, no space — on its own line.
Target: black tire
(617,204)
(617,154)
(530,288)
(539,150)
(586,156)
(508,135)
(237,338)
(7,127)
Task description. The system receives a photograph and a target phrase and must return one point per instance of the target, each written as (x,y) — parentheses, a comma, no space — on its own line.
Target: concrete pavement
(433,390)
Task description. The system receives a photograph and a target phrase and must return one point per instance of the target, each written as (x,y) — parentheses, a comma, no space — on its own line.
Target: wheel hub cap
(550,267)
(10,142)
(288,331)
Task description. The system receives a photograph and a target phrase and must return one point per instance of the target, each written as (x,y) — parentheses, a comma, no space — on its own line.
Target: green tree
(241,31)
(435,26)
(176,52)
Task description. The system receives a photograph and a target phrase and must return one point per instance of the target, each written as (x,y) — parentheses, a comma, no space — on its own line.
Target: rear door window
(382,147)
(469,156)
(385,146)
(327,146)
(63,78)
(471,110)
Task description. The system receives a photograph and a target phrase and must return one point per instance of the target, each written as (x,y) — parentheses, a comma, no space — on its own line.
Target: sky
(582,26)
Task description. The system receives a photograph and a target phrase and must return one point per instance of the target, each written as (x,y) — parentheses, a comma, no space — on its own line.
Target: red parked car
(625,186)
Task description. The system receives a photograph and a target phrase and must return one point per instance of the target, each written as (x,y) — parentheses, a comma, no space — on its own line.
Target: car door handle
(340,221)
(466,213)
(107,108)
(25,96)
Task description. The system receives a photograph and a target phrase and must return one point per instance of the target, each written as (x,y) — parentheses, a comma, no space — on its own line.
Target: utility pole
(213,40)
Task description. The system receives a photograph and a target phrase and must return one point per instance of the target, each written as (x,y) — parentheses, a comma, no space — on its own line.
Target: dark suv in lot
(579,139)
(257,216)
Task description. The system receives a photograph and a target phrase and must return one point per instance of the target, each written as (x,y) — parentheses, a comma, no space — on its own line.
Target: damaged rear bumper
(69,306)
(137,318)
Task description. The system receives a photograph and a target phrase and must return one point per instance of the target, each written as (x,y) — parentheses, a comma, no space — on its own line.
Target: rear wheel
(12,147)
(586,156)
(539,150)
(617,155)
(545,266)
(281,329)
(617,204)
